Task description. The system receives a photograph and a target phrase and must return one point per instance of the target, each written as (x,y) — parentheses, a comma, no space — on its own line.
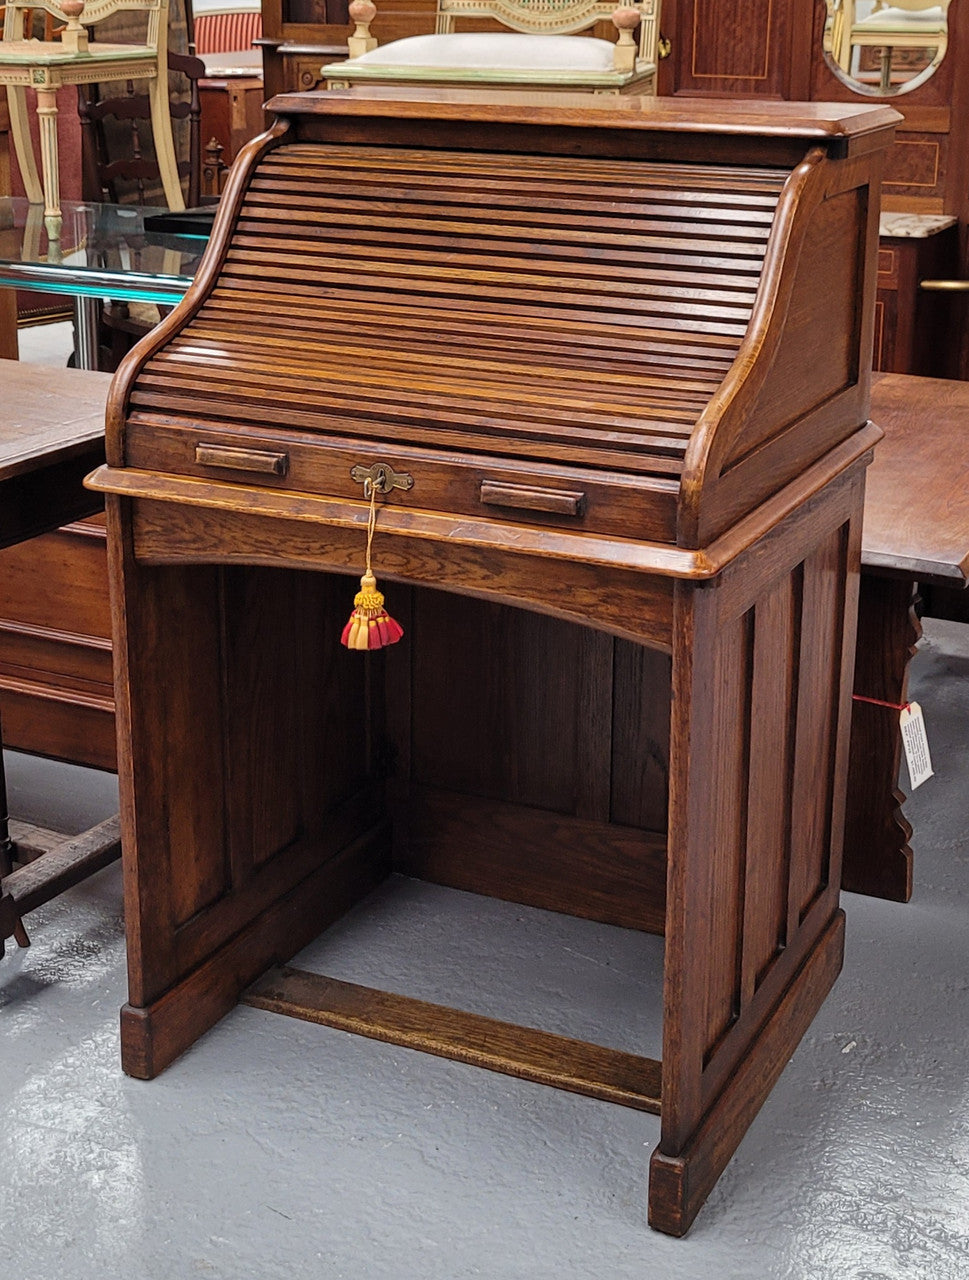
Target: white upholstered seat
(539,51)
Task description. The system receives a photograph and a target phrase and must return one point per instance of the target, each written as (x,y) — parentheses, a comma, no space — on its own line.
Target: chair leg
(47,114)
(20,132)
(161,128)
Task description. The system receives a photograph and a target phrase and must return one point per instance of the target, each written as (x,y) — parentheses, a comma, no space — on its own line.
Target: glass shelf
(104,252)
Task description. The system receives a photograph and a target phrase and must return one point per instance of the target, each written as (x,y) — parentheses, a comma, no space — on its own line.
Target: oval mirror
(884,47)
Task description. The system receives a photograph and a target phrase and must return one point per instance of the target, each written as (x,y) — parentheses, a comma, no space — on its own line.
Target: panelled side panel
(759,713)
(819,677)
(251,769)
(773,712)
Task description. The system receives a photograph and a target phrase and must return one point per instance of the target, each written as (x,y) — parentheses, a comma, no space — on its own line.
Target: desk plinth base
(273,779)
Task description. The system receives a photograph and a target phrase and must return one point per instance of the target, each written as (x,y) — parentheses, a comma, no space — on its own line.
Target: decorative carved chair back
(550,17)
(18,12)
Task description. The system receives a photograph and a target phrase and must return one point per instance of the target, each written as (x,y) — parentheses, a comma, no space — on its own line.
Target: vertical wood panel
(262,719)
(819,678)
(641,737)
(484,721)
(725,890)
(296,749)
(769,800)
(171,612)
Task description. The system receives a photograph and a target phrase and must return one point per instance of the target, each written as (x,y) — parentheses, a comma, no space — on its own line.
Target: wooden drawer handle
(261,460)
(560,502)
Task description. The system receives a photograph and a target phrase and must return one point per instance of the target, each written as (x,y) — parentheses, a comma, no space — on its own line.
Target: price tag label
(916,744)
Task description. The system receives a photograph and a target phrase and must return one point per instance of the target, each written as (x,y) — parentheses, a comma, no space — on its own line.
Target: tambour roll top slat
(487,307)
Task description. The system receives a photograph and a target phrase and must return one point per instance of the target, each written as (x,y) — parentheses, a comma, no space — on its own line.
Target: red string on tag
(878,702)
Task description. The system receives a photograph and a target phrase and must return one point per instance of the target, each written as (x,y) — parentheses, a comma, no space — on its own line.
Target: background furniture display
(536,47)
(775,49)
(128,172)
(51,436)
(649,555)
(110,173)
(298,36)
(72,59)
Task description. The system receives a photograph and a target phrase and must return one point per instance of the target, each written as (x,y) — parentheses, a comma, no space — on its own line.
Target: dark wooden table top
(51,435)
(917,499)
(47,414)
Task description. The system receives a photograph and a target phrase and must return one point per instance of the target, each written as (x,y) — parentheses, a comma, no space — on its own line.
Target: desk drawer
(573,498)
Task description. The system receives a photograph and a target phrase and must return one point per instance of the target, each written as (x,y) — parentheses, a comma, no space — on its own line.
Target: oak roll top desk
(620,350)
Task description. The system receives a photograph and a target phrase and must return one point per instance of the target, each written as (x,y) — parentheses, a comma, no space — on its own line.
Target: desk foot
(680,1183)
(152,1037)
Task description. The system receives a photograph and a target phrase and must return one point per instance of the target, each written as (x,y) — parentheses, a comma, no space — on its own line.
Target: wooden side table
(910,326)
(916,532)
(52,435)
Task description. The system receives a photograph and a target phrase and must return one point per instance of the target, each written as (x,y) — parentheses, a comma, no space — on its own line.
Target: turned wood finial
(363,13)
(625,21)
(74,37)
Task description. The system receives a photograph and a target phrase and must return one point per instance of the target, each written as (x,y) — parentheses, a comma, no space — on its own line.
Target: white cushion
(896,18)
(497,51)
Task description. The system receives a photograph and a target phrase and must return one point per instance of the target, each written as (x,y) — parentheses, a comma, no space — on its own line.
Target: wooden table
(52,435)
(916,531)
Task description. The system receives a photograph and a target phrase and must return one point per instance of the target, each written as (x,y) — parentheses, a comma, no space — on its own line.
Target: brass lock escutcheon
(380,478)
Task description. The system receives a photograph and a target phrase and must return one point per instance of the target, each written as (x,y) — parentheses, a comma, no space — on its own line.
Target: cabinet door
(739,48)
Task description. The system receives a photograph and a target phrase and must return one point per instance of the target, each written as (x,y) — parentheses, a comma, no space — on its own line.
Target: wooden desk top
(47,414)
(917,499)
(51,435)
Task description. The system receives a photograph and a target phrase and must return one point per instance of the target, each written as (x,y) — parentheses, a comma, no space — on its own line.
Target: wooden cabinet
(231,111)
(298,36)
(912,327)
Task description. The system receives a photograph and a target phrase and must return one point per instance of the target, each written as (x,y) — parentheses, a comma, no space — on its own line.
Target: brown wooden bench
(916,532)
(51,436)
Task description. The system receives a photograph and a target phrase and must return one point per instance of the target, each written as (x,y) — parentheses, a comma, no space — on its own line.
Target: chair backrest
(539,17)
(117,154)
(18,12)
(226,30)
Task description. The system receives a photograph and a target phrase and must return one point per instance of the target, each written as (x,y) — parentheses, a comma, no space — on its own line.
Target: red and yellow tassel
(370,625)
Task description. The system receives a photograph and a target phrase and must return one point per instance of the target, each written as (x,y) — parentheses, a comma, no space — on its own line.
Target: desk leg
(877,855)
(9,349)
(87,316)
(7,846)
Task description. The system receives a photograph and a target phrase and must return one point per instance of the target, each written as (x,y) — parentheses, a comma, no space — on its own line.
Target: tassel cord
(371,520)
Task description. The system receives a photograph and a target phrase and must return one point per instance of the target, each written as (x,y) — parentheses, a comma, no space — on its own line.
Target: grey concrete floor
(275,1148)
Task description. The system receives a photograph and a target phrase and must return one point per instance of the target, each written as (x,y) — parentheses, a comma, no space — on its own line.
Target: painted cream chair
(46,65)
(904,24)
(539,51)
